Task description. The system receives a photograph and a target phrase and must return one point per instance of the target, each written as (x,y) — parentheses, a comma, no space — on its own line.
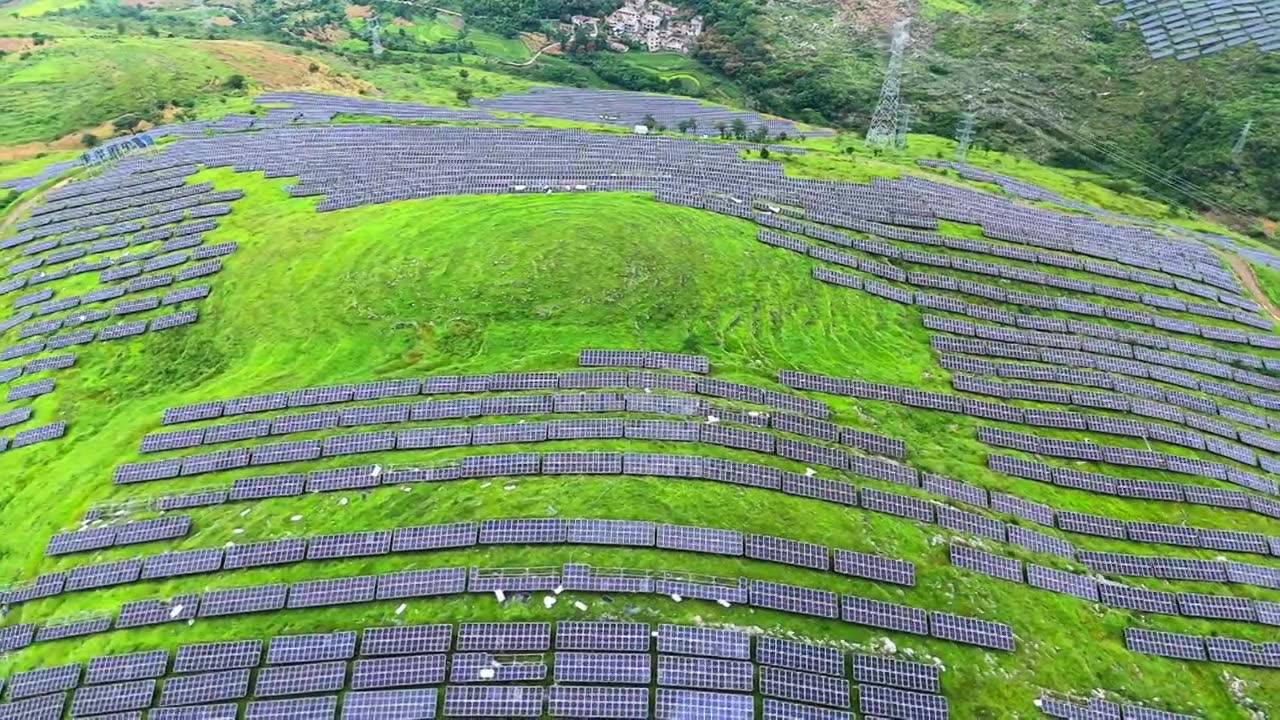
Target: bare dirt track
(1241,267)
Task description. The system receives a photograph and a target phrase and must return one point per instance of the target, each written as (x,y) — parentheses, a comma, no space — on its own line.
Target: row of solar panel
(1122,358)
(1196,605)
(127,700)
(1144,489)
(1080,450)
(447,581)
(1048,302)
(1004,272)
(1196,647)
(542,404)
(498,382)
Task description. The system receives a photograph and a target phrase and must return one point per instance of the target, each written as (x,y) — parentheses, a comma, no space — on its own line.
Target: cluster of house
(652,24)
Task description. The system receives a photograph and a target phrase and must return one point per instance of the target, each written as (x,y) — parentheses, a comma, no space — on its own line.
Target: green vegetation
(484,284)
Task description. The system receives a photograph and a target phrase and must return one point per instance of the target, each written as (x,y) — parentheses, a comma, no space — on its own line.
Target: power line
(1238,149)
(965,135)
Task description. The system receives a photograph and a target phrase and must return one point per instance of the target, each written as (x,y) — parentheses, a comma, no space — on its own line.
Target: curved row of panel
(595,668)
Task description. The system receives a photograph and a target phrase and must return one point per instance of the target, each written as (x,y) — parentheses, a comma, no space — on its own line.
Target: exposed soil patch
(222,20)
(327,34)
(402,22)
(277,68)
(17,44)
(362,11)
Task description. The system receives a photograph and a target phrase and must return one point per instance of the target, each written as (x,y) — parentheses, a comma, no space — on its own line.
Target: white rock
(559,589)
(400,610)
(548,601)
(238,531)
(723,602)
(176,611)
(295,518)
(377,470)
(502,597)
(343,501)
(580,605)
(712,419)
(485,485)
(245,512)
(405,488)
(486,673)
(676,597)
(508,488)
(810,472)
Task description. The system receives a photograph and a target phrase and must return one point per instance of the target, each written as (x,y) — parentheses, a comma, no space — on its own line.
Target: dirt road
(1241,266)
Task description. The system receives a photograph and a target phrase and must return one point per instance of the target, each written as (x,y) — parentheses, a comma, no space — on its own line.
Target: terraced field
(284,377)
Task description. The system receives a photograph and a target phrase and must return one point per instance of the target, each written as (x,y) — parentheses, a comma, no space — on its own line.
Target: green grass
(33,165)
(33,8)
(483,284)
(494,45)
(699,79)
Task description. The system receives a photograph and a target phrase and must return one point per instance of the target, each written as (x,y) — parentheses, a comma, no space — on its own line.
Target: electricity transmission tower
(1238,149)
(884,122)
(965,136)
(375,34)
(904,127)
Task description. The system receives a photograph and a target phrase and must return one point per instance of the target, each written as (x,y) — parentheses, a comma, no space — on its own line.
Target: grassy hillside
(484,284)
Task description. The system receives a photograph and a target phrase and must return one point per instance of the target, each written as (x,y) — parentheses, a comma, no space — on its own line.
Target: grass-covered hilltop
(404,362)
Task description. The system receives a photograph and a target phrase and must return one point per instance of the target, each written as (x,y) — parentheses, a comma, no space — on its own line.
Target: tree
(764,153)
(738,128)
(693,124)
(721,128)
(126,122)
(314,68)
(464,74)
(235,82)
(89,140)
(661,127)
(683,126)
(782,136)
(649,121)
(760,134)
(464,94)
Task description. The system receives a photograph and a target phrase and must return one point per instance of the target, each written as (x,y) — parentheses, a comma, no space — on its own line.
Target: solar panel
(41,707)
(794,599)
(422,583)
(324,707)
(435,537)
(901,704)
(318,647)
(398,671)
(1217,606)
(413,704)
(894,504)
(131,666)
(986,563)
(235,601)
(406,640)
(611,532)
(499,637)
(1059,581)
(799,656)
(705,673)
(523,531)
(787,551)
(222,711)
(493,701)
(971,631)
(602,635)
(1174,645)
(334,591)
(86,577)
(588,701)
(44,680)
(865,611)
(217,656)
(357,544)
(783,710)
(205,687)
(811,486)
(709,642)
(312,677)
(879,670)
(598,667)
(486,667)
(804,687)
(680,704)
(700,539)
(101,699)
(267,552)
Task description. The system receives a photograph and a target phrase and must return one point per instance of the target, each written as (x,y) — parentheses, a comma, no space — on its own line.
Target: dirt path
(531,60)
(21,208)
(1241,266)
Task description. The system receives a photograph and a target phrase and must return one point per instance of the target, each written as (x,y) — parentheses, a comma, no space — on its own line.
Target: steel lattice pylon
(884,122)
